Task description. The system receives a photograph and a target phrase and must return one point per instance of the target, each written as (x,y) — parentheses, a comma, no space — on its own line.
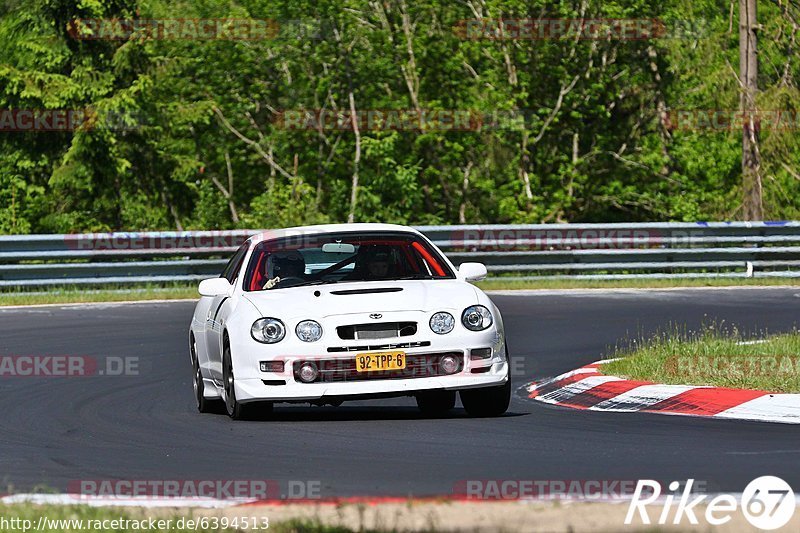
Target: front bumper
(253,384)
(248,390)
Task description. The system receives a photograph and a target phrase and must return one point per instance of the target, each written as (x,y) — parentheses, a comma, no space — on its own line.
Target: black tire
(487,401)
(235,409)
(204,405)
(436,403)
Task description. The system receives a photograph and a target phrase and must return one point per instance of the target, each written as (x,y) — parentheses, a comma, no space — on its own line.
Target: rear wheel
(436,403)
(487,401)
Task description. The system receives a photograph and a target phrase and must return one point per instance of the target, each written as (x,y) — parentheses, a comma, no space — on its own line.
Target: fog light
(448,364)
(477,354)
(271,366)
(308,372)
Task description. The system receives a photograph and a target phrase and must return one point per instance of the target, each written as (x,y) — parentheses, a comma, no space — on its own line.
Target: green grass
(12,517)
(714,356)
(66,295)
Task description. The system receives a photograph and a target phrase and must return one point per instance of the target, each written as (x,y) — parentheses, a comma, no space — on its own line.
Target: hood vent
(376,290)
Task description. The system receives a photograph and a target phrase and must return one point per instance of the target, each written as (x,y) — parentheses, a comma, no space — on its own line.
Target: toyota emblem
(376,316)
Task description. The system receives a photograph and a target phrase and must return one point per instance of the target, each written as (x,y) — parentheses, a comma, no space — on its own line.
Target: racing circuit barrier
(515,252)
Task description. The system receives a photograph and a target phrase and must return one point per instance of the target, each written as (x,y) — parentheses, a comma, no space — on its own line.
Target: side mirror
(472,271)
(214,287)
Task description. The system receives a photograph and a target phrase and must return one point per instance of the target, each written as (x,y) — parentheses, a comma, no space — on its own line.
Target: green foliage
(189,134)
(284,205)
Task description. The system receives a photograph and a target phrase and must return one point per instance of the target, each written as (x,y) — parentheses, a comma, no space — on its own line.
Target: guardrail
(538,251)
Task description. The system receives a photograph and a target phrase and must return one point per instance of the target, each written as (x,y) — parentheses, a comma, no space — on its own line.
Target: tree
(748,79)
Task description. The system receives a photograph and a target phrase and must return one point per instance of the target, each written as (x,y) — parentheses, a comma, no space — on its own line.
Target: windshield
(342,257)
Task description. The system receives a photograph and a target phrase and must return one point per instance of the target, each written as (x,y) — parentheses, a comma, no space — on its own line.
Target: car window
(235,264)
(343,257)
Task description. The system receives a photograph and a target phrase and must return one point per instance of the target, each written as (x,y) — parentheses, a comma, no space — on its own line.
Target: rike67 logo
(767,502)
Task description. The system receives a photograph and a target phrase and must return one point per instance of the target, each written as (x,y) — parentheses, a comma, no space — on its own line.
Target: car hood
(364,297)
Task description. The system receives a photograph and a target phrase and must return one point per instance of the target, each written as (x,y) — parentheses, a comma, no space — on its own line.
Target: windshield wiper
(317,282)
(332,281)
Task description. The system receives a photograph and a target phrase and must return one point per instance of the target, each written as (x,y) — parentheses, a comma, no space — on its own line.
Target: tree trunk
(524,162)
(231,203)
(462,209)
(748,73)
(356,160)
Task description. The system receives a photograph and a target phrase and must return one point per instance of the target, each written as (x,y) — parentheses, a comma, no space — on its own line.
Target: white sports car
(324,314)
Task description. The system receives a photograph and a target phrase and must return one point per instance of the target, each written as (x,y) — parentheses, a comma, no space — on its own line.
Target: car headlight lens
(442,323)
(308,331)
(268,330)
(476,318)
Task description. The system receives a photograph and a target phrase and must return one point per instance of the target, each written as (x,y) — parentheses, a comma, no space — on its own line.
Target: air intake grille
(383,330)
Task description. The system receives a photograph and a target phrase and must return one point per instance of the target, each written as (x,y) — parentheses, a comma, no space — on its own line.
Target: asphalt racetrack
(58,430)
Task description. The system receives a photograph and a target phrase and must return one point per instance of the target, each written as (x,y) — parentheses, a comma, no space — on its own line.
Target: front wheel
(204,405)
(487,401)
(237,410)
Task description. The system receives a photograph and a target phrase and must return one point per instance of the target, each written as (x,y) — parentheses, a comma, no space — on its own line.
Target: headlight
(476,318)
(442,323)
(308,331)
(268,330)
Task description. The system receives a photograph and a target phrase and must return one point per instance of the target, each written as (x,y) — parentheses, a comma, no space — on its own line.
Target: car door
(215,319)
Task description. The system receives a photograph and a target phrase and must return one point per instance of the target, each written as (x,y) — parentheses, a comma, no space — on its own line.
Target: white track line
(71,499)
(94,304)
(99,501)
(623,290)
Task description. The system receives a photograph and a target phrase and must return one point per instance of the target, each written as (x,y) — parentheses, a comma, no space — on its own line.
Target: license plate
(370,362)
